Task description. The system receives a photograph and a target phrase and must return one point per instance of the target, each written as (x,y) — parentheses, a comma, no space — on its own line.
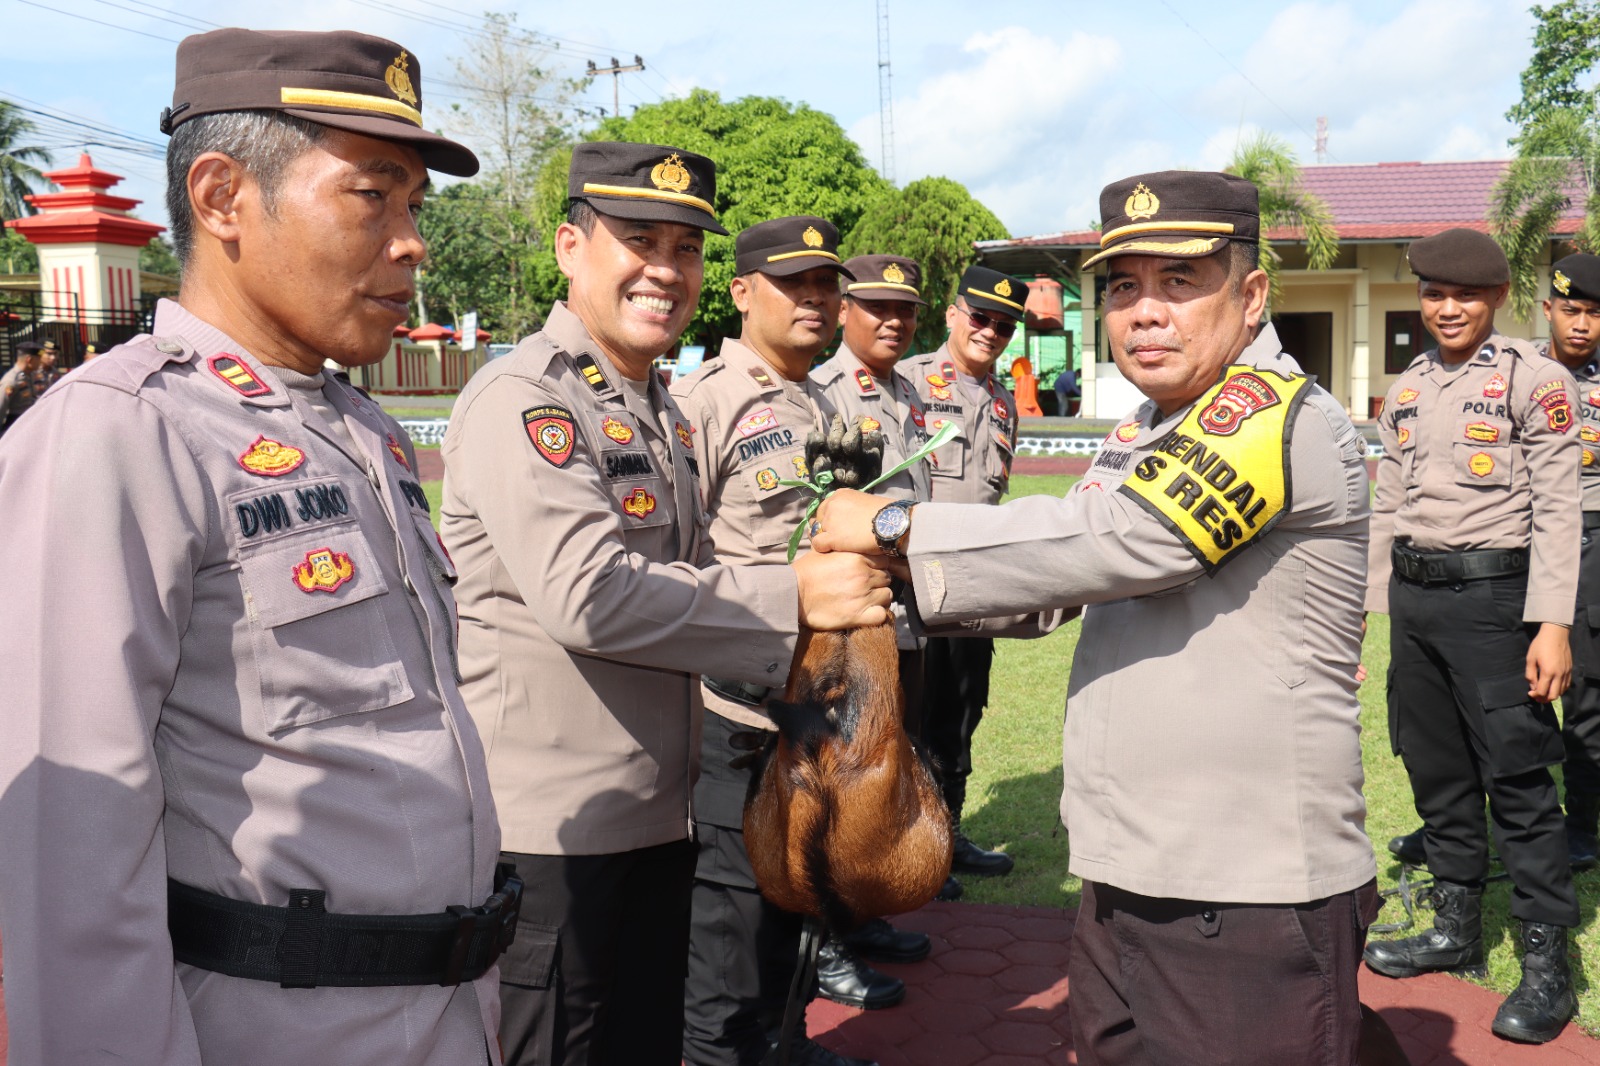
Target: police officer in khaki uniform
(18,386)
(49,371)
(751,409)
(234,817)
(957,383)
(1475,558)
(590,600)
(1216,826)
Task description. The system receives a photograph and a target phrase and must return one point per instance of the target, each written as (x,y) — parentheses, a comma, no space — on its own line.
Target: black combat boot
(971,859)
(1454,944)
(1543,1002)
(844,978)
(1408,849)
(1583,819)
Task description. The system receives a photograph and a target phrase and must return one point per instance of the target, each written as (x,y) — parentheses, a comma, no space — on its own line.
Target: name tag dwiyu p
(1220,479)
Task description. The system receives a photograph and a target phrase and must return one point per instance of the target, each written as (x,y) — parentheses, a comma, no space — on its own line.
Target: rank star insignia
(270,458)
(1483,432)
(1141,203)
(617,431)
(550,430)
(1481,464)
(324,570)
(638,503)
(685,435)
(398,452)
(670,175)
(1406,396)
(864,381)
(1126,433)
(1561,283)
(767,479)
(398,79)
(1495,387)
(812,237)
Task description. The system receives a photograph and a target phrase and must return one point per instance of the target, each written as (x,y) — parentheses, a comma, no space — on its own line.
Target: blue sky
(1033,105)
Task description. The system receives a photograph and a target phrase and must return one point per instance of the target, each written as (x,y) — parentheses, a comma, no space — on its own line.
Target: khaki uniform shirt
(1587,377)
(1211,748)
(588,596)
(1485,455)
(853,391)
(233,665)
(975,467)
(18,391)
(750,426)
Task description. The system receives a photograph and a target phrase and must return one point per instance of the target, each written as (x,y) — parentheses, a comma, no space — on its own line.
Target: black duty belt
(303,946)
(1591,520)
(737,691)
(1449,568)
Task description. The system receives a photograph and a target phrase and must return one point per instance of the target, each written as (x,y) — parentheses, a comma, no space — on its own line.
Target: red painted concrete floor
(994,993)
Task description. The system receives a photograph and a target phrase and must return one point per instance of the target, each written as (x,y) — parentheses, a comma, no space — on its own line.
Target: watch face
(890,523)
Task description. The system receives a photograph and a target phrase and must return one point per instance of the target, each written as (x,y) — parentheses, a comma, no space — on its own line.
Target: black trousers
(742,950)
(955,692)
(1162,981)
(1580,706)
(595,975)
(1460,717)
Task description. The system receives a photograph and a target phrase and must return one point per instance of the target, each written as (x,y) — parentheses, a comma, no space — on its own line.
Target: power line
(199,24)
(98,22)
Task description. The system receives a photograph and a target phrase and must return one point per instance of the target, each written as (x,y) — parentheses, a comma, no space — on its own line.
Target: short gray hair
(263,142)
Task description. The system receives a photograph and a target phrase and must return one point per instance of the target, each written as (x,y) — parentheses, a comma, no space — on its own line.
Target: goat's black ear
(800,721)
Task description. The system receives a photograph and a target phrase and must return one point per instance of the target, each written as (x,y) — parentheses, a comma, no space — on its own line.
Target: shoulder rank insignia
(1406,396)
(324,570)
(591,372)
(617,431)
(1485,354)
(270,458)
(1495,387)
(948,370)
(638,503)
(237,375)
(550,429)
(398,452)
(1220,478)
(865,383)
(685,435)
(761,376)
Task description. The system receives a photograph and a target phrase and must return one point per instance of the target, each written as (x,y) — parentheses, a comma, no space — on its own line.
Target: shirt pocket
(951,460)
(775,508)
(319,628)
(1482,464)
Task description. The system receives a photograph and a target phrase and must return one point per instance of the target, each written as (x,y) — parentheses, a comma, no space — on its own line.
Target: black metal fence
(31,316)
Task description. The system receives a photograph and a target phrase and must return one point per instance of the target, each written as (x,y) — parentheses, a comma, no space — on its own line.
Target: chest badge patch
(1001,411)
(767,479)
(1495,387)
(800,468)
(638,503)
(1126,432)
(617,431)
(270,458)
(938,382)
(1594,397)
(757,422)
(1589,434)
(237,376)
(939,392)
(1588,457)
(1483,432)
(685,435)
(865,383)
(1241,396)
(1405,436)
(550,430)
(918,417)
(1481,464)
(398,452)
(1406,396)
(324,570)
(870,425)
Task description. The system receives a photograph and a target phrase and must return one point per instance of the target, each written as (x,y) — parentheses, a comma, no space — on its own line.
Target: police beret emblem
(398,79)
(1141,203)
(670,175)
(893,274)
(1562,283)
(812,236)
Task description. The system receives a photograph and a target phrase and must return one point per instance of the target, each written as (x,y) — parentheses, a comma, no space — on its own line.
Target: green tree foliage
(18,175)
(1560,74)
(773,159)
(934,221)
(157,257)
(1268,161)
(17,255)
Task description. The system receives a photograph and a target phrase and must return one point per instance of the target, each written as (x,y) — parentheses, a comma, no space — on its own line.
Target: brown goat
(844,821)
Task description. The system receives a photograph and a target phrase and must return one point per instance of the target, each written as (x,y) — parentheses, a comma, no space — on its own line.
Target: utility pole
(616,70)
(1322,139)
(885,96)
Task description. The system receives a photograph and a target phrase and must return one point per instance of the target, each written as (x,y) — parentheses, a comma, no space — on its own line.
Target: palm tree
(1269,162)
(1558,157)
(18,177)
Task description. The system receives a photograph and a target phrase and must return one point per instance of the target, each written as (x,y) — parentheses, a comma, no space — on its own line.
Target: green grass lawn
(1014,794)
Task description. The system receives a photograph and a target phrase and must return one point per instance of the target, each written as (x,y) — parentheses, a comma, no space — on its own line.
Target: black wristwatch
(890,524)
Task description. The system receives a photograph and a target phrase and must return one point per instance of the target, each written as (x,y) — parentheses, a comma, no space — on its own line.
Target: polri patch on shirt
(237,376)
(1406,396)
(1404,435)
(1495,387)
(324,570)
(1126,432)
(870,425)
(270,458)
(1481,464)
(1241,396)
(617,431)
(638,503)
(550,429)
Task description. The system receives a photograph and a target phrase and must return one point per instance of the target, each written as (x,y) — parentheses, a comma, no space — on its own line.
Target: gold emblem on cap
(1003,287)
(399,81)
(1142,203)
(670,174)
(893,274)
(812,237)
(1562,283)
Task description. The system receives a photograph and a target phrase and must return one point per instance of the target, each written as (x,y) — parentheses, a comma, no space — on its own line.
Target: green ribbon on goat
(822,484)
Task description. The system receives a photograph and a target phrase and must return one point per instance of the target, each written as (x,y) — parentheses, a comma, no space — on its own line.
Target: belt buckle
(496,916)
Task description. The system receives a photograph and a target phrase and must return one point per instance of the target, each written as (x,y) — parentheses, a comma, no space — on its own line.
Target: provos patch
(324,570)
(638,503)
(237,376)
(550,430)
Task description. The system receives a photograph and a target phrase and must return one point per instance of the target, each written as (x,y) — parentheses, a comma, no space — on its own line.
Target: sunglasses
(1003,327)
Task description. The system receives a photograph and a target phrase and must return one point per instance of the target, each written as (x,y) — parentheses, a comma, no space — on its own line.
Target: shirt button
(772,668)
(169,347)
(1208,916)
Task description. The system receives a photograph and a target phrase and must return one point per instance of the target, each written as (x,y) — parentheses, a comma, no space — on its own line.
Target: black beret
(28,348)
(1459,257)
(1576,277)
(989,290)
(885,277)
(784,246)
(349,81)
(1176,214)
(646,183)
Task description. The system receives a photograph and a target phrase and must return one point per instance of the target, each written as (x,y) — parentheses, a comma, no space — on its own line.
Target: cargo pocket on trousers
(1521,735)
(530,961)
(1393,702)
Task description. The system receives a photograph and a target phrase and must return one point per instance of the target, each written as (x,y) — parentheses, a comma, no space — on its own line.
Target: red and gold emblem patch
(1481,464)
(938,382)
(1588,457)
(1552,396)
(398,452)
(800,468)
(918,417)
(685,435)
(766,479)
(870,425)
(1406,396)
(939,392)
(324,570)
(1404,435)
(1495,387)
(865,382)
(550,429)
(757,422)
(638,503)
(270,458)
(1594,397)
(617,431)
(1589,433)
(1126,432)
(1242,396)
(1001,411)
(239,378)
(1483,432)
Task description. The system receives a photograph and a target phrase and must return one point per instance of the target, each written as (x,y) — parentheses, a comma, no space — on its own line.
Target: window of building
(1404,339)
